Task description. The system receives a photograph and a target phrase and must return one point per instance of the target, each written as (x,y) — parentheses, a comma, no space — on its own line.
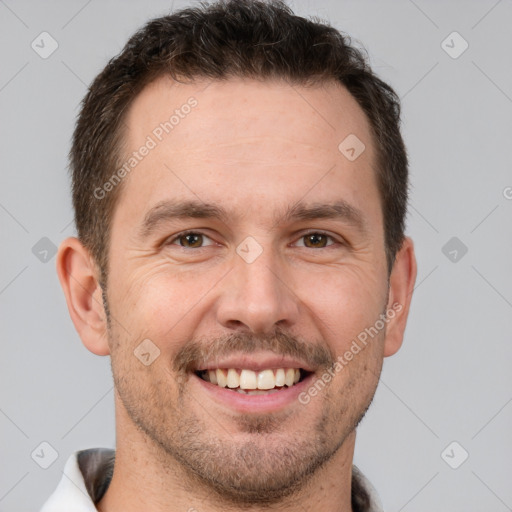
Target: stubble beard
(262,467)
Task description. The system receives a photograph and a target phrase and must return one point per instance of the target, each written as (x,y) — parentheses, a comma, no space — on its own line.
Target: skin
(254,148)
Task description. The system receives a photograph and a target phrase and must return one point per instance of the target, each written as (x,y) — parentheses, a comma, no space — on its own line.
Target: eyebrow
(168,210)
(339,210)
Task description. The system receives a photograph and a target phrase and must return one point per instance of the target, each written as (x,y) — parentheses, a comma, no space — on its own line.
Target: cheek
(163,304)
(345,302)
(361,365)
(147,295)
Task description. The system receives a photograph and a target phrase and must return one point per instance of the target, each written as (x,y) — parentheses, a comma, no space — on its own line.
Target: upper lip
(255,362)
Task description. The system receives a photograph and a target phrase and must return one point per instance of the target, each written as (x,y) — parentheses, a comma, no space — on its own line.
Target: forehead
(243,141)
(316,115)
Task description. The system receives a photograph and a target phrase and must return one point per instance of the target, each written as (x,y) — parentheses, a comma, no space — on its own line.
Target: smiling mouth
(249,382)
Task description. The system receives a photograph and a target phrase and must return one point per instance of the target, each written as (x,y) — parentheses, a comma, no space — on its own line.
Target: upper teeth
(248,379)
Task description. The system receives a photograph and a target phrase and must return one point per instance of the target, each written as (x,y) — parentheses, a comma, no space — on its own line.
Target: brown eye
(190,240)
(316,240)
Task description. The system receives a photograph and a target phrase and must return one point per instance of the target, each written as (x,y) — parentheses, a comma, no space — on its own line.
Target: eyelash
(196,232)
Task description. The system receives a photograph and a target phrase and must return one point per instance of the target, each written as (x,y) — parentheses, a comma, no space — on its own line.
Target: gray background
(451,381)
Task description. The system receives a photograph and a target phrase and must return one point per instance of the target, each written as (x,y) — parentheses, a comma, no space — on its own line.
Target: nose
(258,296)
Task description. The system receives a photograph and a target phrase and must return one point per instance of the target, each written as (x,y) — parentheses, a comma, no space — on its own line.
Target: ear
(401,286)
(79,280)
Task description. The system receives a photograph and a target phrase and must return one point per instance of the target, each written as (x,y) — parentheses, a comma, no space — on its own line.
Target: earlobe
(78,278)
(401,286)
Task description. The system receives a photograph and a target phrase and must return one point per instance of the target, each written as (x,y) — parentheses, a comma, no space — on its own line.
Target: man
(240,188)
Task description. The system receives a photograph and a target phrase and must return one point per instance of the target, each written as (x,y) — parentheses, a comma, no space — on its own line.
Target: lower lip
(242,403)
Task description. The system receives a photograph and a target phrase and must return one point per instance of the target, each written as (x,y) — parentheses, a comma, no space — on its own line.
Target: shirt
(87,475)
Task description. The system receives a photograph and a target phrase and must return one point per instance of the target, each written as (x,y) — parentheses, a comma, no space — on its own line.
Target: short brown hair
(229,38)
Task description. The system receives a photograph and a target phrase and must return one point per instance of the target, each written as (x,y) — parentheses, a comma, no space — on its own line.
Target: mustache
(198,352)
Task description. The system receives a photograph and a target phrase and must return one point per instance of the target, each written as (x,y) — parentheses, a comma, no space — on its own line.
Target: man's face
(262,288)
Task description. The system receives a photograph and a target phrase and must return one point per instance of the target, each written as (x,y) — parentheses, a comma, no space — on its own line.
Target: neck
(147,478)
